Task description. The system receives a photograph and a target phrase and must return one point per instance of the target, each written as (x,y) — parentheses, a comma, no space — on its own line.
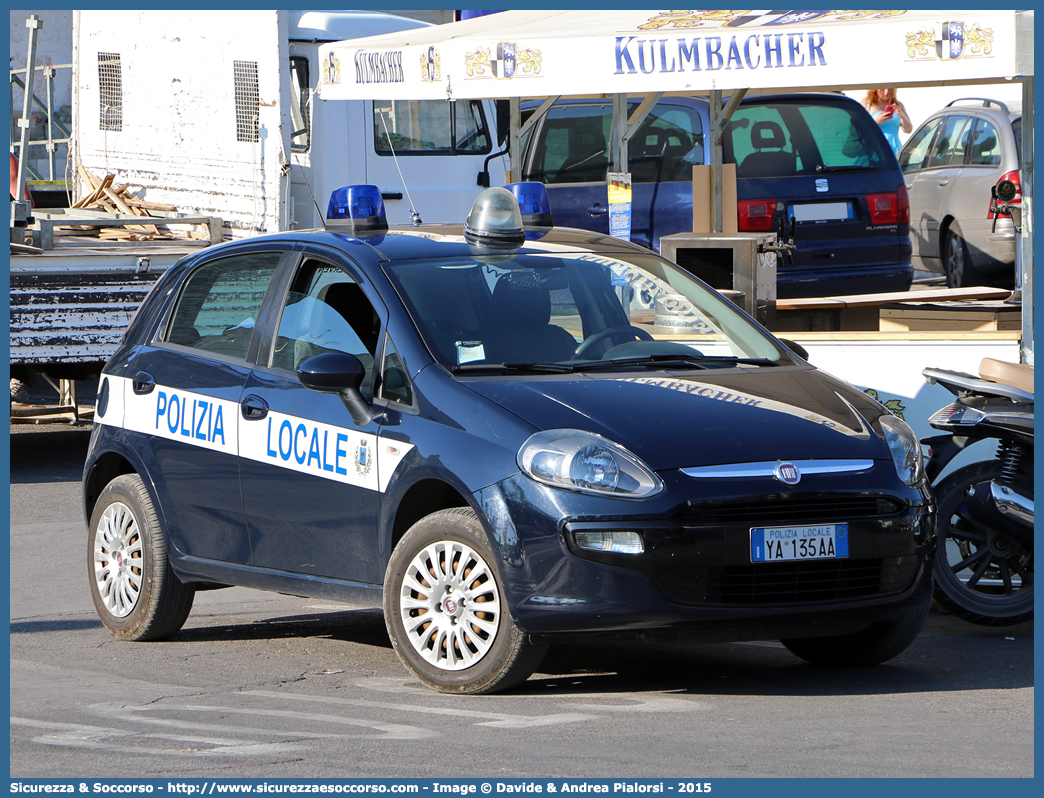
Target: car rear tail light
(1014,178)
(893,208)
(756,215)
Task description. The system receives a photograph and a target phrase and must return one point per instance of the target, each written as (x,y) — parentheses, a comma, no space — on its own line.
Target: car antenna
(415,218)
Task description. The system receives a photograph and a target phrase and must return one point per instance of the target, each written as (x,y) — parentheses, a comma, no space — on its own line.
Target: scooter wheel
(981,575)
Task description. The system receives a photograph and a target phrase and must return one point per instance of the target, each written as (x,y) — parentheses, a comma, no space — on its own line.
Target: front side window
(915,152)
(300,112)
(952,139)
(430,127)
(325,311)
(219,305)
(395,384)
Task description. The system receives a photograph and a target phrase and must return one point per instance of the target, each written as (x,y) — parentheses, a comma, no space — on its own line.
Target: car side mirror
(795,347)
(342,374)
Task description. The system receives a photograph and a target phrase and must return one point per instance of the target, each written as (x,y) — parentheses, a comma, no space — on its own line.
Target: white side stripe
(341,454)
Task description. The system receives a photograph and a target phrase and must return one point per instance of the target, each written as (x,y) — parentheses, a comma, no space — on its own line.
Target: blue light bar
(533,203)
(356,209)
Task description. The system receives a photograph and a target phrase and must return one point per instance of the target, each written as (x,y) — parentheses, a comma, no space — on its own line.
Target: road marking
(495,719)
(657,703)
(387,731)
(74,735)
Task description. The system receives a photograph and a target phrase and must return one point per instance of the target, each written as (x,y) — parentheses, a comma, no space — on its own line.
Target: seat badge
(787,473)
(822,186)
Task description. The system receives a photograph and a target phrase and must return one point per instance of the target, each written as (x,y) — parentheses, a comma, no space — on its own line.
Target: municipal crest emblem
(431,66)
(503,63)
(775,18)
(755,19)
(949,44)
(952,40)
(363,458)
(332,69)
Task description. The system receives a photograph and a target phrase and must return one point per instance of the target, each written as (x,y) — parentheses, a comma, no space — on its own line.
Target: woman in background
(889,113)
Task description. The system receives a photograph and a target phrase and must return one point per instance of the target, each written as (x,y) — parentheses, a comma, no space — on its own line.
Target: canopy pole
(515,138)
(618,133)
(716,131)
(1025,242)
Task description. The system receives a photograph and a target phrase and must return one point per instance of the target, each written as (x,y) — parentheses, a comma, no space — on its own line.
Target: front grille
(788,582)
(778,510)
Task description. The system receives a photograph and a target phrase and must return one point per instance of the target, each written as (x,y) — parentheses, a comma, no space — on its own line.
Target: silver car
(950,164)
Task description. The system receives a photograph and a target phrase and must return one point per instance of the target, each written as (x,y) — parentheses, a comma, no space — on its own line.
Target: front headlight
(583,461)
(905,449)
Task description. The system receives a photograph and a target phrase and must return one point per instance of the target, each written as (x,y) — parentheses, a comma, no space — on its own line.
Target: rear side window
(574,145)
(779,140)
(1016,129)
(219,305)
(666,145)
(985,146)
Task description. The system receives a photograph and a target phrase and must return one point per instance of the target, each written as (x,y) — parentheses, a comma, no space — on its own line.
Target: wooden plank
(151,206)
(890,337)
(122,206)
(863,300)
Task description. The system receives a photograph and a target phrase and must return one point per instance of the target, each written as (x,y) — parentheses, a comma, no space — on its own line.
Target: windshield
(573,311)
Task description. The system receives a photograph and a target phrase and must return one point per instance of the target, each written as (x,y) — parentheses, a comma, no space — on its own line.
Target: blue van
(817,158)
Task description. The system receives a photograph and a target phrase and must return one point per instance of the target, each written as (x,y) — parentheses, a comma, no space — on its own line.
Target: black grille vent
(788,582)
(799,509)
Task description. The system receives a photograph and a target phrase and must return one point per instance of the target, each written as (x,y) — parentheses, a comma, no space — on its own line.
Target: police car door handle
(143,383)
(597,210)
(254,408)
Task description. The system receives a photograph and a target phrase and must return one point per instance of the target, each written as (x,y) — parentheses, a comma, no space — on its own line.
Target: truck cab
(426,156)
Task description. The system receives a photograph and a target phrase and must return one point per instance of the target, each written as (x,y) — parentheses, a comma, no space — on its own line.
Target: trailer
(72,296)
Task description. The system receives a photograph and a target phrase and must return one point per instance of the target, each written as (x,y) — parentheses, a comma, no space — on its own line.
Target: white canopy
(546,53)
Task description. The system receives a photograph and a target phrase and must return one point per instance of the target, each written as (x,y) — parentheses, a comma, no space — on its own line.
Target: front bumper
(696,569)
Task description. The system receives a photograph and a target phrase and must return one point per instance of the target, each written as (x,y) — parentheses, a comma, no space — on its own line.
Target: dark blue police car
(501,434)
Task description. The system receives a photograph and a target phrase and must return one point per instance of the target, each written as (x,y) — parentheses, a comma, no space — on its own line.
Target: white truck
(215,112)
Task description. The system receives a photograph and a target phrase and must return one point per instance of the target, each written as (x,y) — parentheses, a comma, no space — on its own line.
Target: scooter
(984,561)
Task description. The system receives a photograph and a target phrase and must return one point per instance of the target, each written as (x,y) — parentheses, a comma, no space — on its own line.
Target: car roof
(443,241)
(983,105)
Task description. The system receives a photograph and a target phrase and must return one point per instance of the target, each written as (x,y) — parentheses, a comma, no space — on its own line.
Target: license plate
(784,543)
(822,212)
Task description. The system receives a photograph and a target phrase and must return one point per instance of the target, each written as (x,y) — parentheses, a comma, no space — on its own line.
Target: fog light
(616,542)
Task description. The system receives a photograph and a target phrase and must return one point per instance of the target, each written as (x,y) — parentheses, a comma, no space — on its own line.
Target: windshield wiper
(541,368)
(673,361)
(852,168)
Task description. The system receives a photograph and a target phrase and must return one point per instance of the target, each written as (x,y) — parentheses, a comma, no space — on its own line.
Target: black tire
(878,643)
(470,645)
(135,591)
(1003,593)
(960,273)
